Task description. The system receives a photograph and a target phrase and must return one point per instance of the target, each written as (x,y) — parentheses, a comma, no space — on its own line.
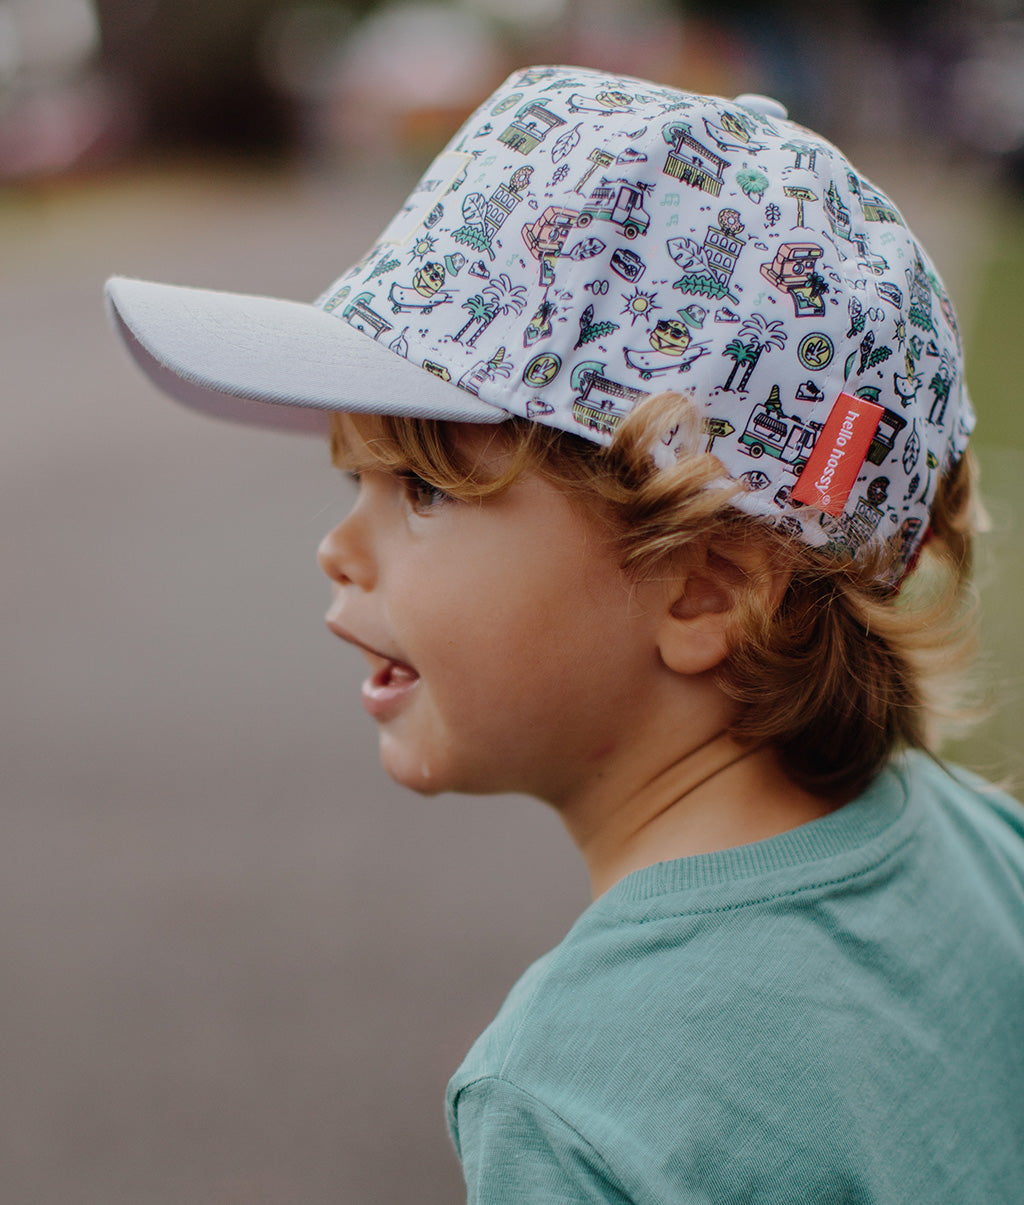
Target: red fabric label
(838,454)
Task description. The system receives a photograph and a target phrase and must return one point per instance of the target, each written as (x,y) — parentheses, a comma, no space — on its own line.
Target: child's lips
(390,682)
(385,691)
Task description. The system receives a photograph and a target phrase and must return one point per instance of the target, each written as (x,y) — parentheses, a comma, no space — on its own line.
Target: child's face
(507,649)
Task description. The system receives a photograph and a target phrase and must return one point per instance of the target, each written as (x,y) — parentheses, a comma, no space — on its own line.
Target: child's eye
(423,494)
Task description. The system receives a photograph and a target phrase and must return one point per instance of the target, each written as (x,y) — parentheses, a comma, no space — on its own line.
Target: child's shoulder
(925,841)
(797,989)
(923,867)
(971,838)
(984,807)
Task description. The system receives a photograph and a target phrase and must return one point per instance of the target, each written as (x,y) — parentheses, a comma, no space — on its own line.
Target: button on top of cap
(762,104)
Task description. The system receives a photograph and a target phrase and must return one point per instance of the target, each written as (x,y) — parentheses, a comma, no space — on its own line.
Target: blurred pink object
(51,130)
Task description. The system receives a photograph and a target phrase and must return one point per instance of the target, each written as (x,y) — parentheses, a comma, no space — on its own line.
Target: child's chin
(408,770)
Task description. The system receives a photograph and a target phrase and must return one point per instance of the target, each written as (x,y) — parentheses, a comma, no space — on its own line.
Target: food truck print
(620,202)
(769,432)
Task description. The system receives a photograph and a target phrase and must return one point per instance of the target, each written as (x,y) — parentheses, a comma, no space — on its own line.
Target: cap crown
(588,239)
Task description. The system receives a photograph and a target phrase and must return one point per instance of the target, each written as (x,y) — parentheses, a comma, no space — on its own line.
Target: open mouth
(392,675)
(387,689)
(390,683)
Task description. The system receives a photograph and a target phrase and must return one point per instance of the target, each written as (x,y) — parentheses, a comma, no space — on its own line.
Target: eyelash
(423,495)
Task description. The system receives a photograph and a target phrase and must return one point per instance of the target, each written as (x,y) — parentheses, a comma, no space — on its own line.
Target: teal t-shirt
(832,1015)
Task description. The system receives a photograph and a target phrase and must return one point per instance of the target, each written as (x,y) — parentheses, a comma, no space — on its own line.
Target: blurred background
(238,964)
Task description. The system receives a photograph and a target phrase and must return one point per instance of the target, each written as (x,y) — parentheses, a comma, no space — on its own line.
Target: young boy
(658,420)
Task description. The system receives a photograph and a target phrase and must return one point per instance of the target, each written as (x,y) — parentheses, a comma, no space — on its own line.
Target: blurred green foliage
(996,340)
(995,348)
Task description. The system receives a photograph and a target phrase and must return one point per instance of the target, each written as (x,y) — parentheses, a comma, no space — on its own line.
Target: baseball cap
(587,239)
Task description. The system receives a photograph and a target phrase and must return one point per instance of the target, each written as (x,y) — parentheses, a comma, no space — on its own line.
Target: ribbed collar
(852,837)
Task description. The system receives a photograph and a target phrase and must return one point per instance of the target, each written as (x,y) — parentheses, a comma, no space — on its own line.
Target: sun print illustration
(638,305)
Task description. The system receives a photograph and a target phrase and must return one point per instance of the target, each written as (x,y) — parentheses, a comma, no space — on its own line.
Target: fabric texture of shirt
(833,1015)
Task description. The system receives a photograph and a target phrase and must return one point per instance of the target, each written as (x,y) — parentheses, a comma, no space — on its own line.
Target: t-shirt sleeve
(515,1149)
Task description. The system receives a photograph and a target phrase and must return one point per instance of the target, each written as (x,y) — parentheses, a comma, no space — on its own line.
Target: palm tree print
(740,353)
(478,311)
(801,149)
(757,336)
(502,297)
(817,287)
(764,335)
(940,385)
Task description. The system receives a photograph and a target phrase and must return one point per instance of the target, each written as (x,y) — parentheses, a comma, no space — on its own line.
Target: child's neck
(718,795)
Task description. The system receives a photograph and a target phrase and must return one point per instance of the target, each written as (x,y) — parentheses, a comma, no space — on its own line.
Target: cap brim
(274,363)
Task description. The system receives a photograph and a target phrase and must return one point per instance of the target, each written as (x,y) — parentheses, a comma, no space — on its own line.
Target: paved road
(238,964)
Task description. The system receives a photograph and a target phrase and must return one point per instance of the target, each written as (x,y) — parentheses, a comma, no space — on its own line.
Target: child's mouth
(389,684)
(386,689)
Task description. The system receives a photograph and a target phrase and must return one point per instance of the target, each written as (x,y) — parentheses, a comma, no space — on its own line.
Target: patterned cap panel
(586,240)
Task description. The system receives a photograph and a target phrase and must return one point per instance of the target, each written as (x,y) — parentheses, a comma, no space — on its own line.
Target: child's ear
(713,595)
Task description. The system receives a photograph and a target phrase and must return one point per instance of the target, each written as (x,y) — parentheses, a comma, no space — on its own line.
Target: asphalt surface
(238,964)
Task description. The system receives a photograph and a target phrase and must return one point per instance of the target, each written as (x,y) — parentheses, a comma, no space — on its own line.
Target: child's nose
(344,556)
